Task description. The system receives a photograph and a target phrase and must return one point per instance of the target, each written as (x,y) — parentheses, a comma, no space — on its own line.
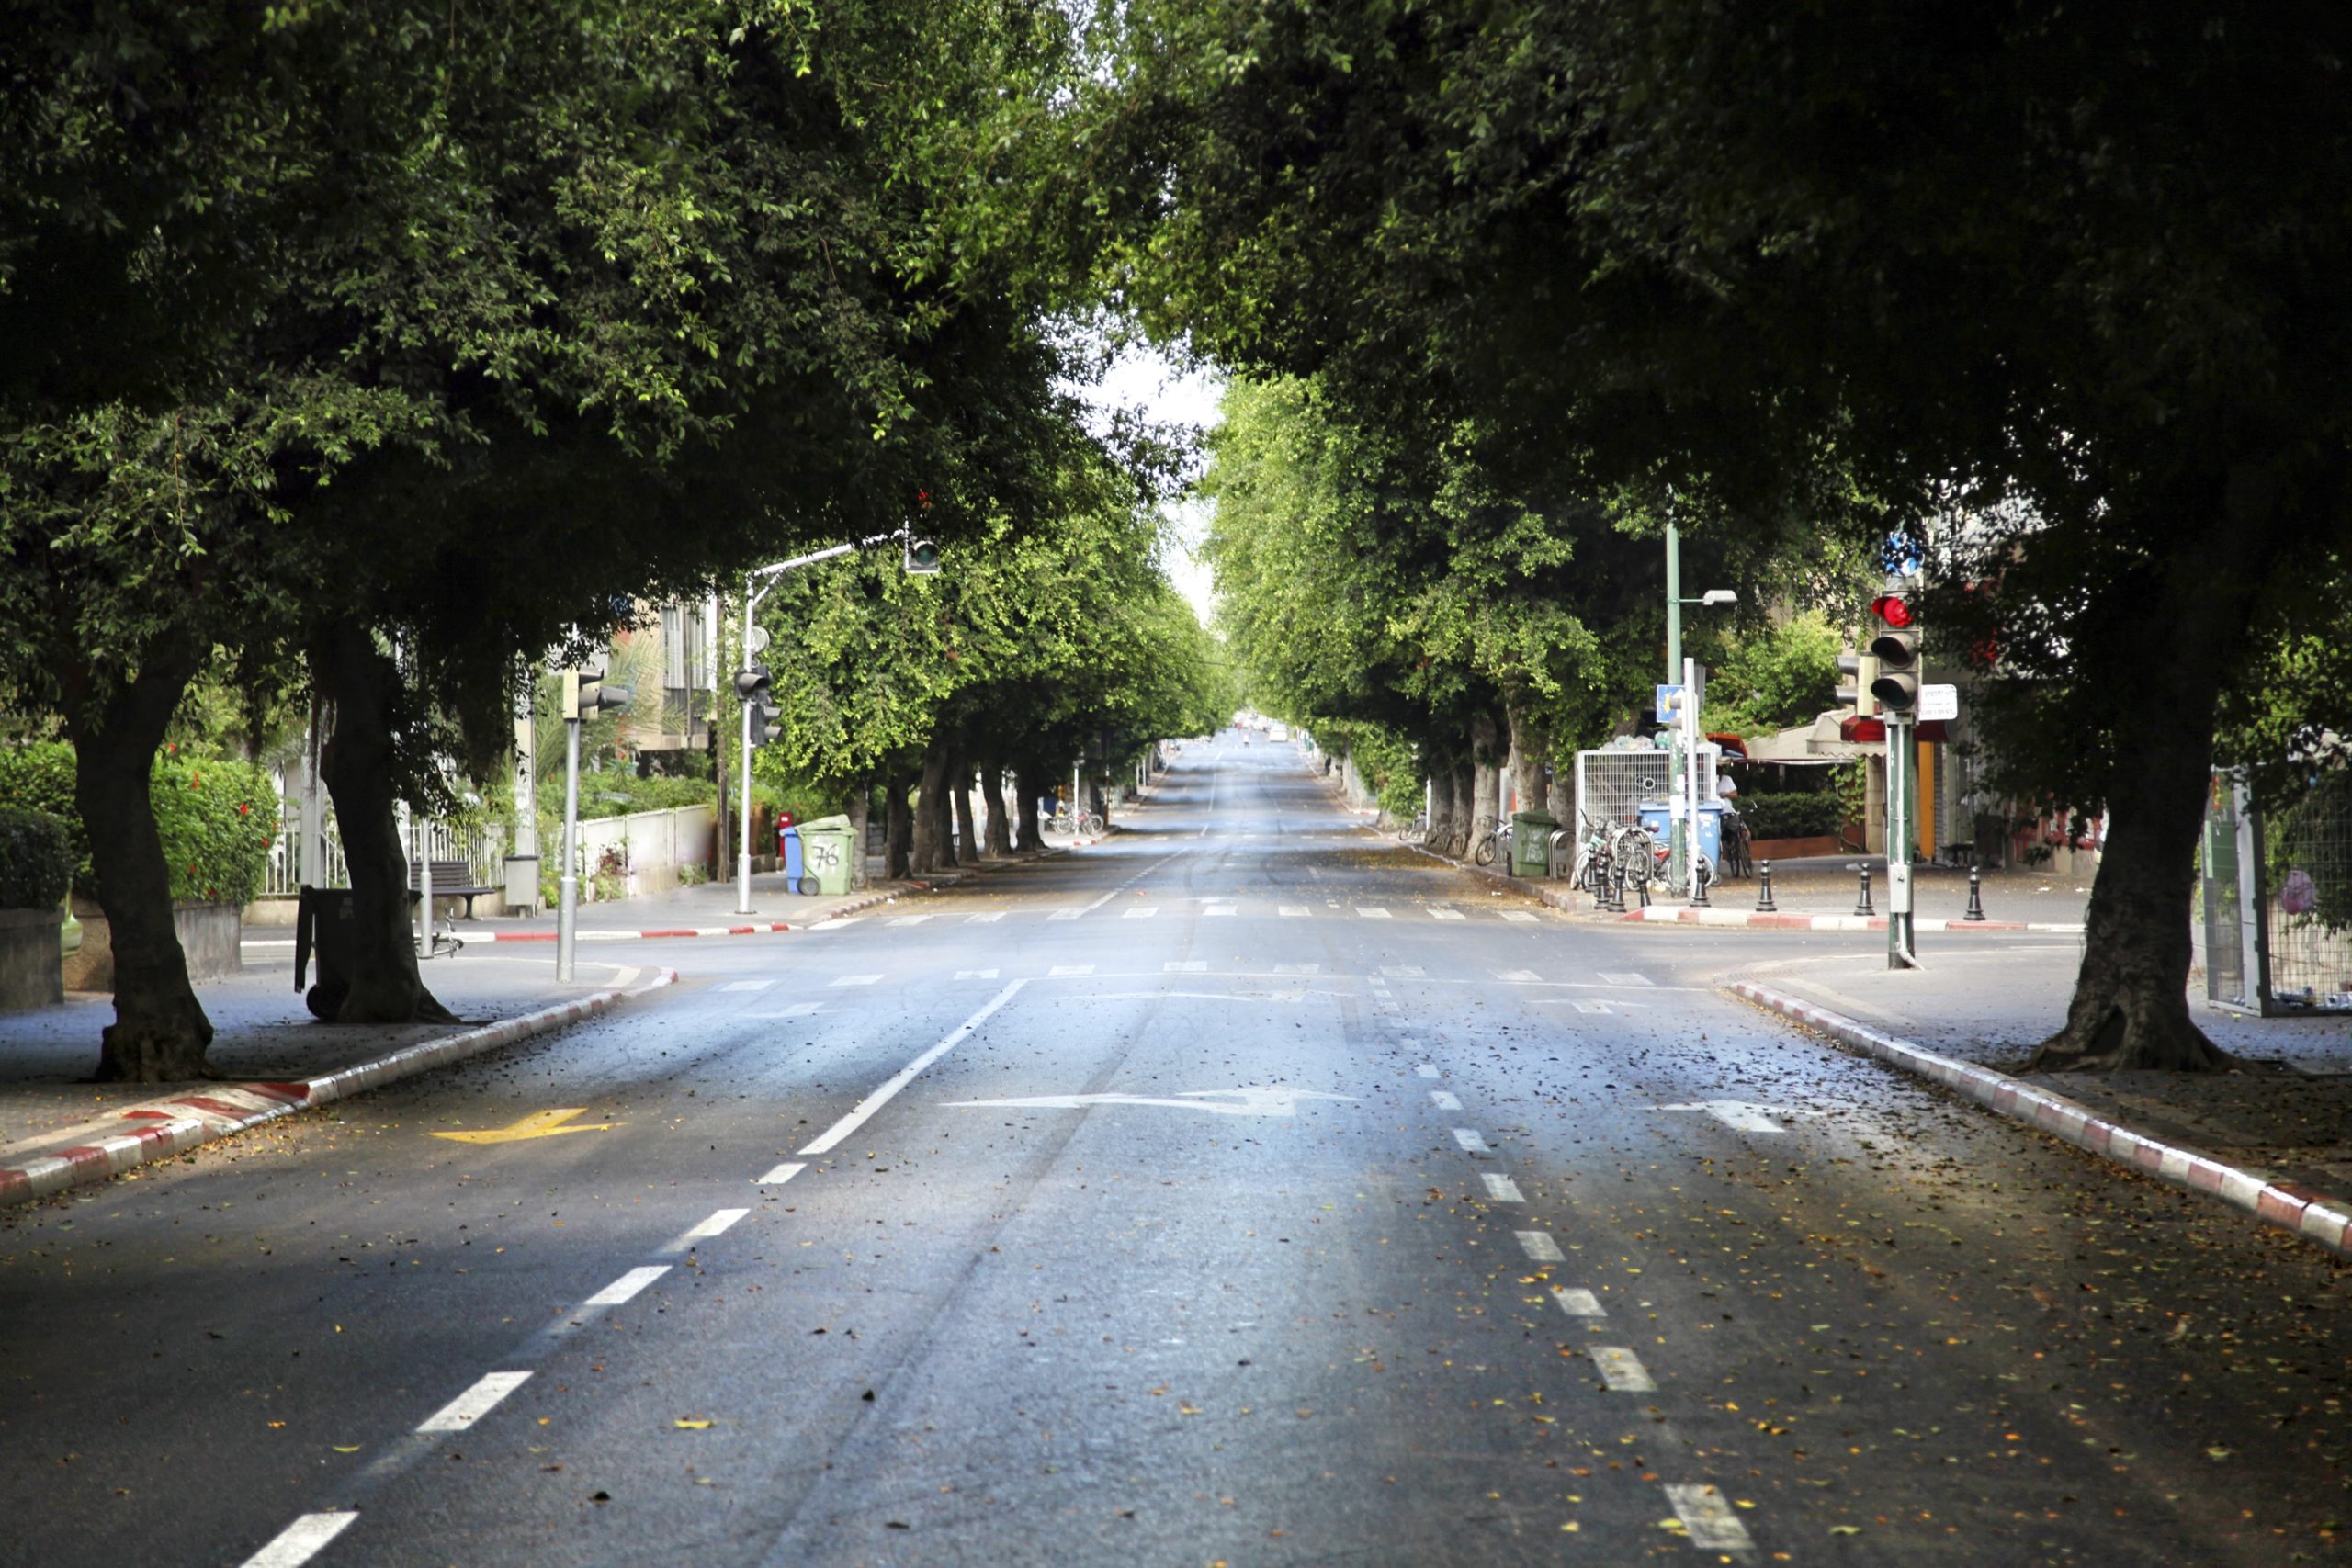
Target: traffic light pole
(1900,926)
(757,584)
(567,903)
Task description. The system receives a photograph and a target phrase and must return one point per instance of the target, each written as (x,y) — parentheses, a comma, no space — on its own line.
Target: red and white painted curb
(2309,1213)
(1679,914)
(168,1127)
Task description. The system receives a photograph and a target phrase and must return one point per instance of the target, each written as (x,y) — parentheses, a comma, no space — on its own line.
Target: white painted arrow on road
(1247,1100)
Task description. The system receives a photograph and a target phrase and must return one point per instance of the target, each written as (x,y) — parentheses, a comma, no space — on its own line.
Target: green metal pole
(1673,604)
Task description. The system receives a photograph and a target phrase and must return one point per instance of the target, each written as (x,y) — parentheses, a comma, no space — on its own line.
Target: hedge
(36,859)
(215,817)
(1791,816)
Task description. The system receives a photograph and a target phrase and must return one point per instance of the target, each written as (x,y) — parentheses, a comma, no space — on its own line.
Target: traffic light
(921,557)
(586,693)
(1856,672)
(755,687)
(1896,647)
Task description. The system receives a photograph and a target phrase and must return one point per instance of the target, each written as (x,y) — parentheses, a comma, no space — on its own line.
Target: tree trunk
(929,840)
(967,831)
(1098,802)
(1528,750)
(1466,801)
(160,1030)
(999,830)
(2130,1003)
(357,766)
(898,829)
(1031,785)
(861,805)
(1486,776)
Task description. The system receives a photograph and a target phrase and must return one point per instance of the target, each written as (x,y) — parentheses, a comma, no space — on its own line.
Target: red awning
(1864,731)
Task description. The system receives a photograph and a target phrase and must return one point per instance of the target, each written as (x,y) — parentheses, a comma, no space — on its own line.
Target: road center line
(1622,1370)
(1469,1139)
(865,1107)
(716,1225)
(1444,1098)
(1578,1302)
(624,1288)
(300,1541)
(475,1403)
(1712,1526)
(1502,1189)
(1540,1247)
(779,1175)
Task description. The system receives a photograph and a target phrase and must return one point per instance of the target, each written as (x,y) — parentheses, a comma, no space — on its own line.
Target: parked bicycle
(1482,841)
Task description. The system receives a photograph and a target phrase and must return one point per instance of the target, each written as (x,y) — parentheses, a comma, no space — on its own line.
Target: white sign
(1938,702)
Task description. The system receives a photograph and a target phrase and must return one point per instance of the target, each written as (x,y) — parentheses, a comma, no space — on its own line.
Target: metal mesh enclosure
(2307,903)
(1612,786)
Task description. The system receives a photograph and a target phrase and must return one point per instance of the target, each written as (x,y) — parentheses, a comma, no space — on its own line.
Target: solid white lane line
(1293,911)
(1502,1189)
(881,1097)
(747,984)
(624,1288)
(779,1175)
(1141,912)
(1520,917)
(715,1225)
(1371,912)
(300,1541)
(1578,1302)
(1426,1070)
(1622,1370)
(1447,915)
(1712,1525)
(1469,1139)
(475,1403)
(1539,1246)
(1444,1099)
(856,979)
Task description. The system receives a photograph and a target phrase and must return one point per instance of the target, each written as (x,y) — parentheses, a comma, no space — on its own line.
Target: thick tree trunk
(1528,750)
(160,1030)
(1486,747)
(861,805)
(1466,801)
(999,830)
(930,840)
(2130,1003)
(898,829)
(967,831)
(1031,785)
(358,766)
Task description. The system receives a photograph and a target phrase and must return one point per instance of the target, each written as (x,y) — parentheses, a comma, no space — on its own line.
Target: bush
(40,777)
(1791,816)
(217,819)
(36,859)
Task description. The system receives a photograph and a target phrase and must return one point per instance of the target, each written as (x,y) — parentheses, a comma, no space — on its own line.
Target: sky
(1143,379)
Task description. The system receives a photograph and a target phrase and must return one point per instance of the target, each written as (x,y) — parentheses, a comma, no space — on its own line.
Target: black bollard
(1863,907)
(1699,899)
(1610,899)
(1975,895)
(1764,904)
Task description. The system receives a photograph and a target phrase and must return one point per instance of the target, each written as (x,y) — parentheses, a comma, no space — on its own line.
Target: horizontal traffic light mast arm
(813,557)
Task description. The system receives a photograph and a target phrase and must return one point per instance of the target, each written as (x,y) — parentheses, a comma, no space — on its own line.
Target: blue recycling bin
(1711,829)
(787,850)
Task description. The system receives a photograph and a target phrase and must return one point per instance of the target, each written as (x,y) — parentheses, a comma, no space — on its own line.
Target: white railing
(483,850)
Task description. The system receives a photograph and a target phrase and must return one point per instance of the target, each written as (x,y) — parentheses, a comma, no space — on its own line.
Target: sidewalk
(2276,1140)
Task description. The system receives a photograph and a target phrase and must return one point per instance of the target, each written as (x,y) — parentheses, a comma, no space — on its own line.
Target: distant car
(1279,732)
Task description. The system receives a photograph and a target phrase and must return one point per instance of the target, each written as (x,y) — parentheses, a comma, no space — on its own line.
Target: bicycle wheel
(1485,854)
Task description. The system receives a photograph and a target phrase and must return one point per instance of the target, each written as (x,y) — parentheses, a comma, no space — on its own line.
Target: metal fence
(483,850)
(2278,896)
(1613,785)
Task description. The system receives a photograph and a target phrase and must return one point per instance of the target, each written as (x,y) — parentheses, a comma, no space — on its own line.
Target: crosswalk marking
(855,979)
(1403,971)
(1220,909)
(906,919)
(1143,912)
(1372,911)
(1521,916)
(1073,969)
(1065,914)
(1624,977)
(1515,974)
(1299,969)
(1447,915)
(791,1010)
(988,917)
(747,984)
(976,974)
(1293,911)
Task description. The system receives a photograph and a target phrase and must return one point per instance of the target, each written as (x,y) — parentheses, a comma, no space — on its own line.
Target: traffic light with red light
(1894,645)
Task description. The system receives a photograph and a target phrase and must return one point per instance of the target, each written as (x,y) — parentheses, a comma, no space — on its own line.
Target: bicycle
(1736,861)
(1060,822)
(1088,823)
(1482,841)
(1417,831)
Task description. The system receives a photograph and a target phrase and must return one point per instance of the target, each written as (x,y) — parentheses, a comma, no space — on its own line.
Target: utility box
(828,847)
(1531,842)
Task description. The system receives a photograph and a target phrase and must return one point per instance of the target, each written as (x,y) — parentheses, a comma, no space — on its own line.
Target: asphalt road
(1244,1190)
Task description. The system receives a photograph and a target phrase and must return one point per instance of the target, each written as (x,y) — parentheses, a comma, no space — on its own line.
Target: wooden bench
(451,879)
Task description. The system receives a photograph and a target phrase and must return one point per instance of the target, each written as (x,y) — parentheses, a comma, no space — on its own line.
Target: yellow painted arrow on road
(537,1124)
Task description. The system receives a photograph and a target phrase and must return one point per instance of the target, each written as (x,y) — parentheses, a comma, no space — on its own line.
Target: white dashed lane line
(300,1541)
(856,979)
(716,1225)
(1712,1525)
(625,1287)
(1578,1302)
(779,1176)
(1444,1099)
(1540,1247)
(1621,1370)
(865,1107)
(747,984)
(1502,1189)
(476,1402)
(1471,1141)
(796,1009)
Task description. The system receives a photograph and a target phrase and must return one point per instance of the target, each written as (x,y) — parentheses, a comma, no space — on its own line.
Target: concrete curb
(2316,1216)
(175,1125)
(1683,915)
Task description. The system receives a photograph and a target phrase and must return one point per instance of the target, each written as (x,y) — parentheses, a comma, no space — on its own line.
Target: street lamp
(1710,599)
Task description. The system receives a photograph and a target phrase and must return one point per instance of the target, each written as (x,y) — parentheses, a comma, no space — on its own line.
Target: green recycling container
(1531,842)
(828,849)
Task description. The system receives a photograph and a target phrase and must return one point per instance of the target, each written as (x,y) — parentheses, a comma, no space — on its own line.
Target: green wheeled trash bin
(828,848)
(1531,842)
